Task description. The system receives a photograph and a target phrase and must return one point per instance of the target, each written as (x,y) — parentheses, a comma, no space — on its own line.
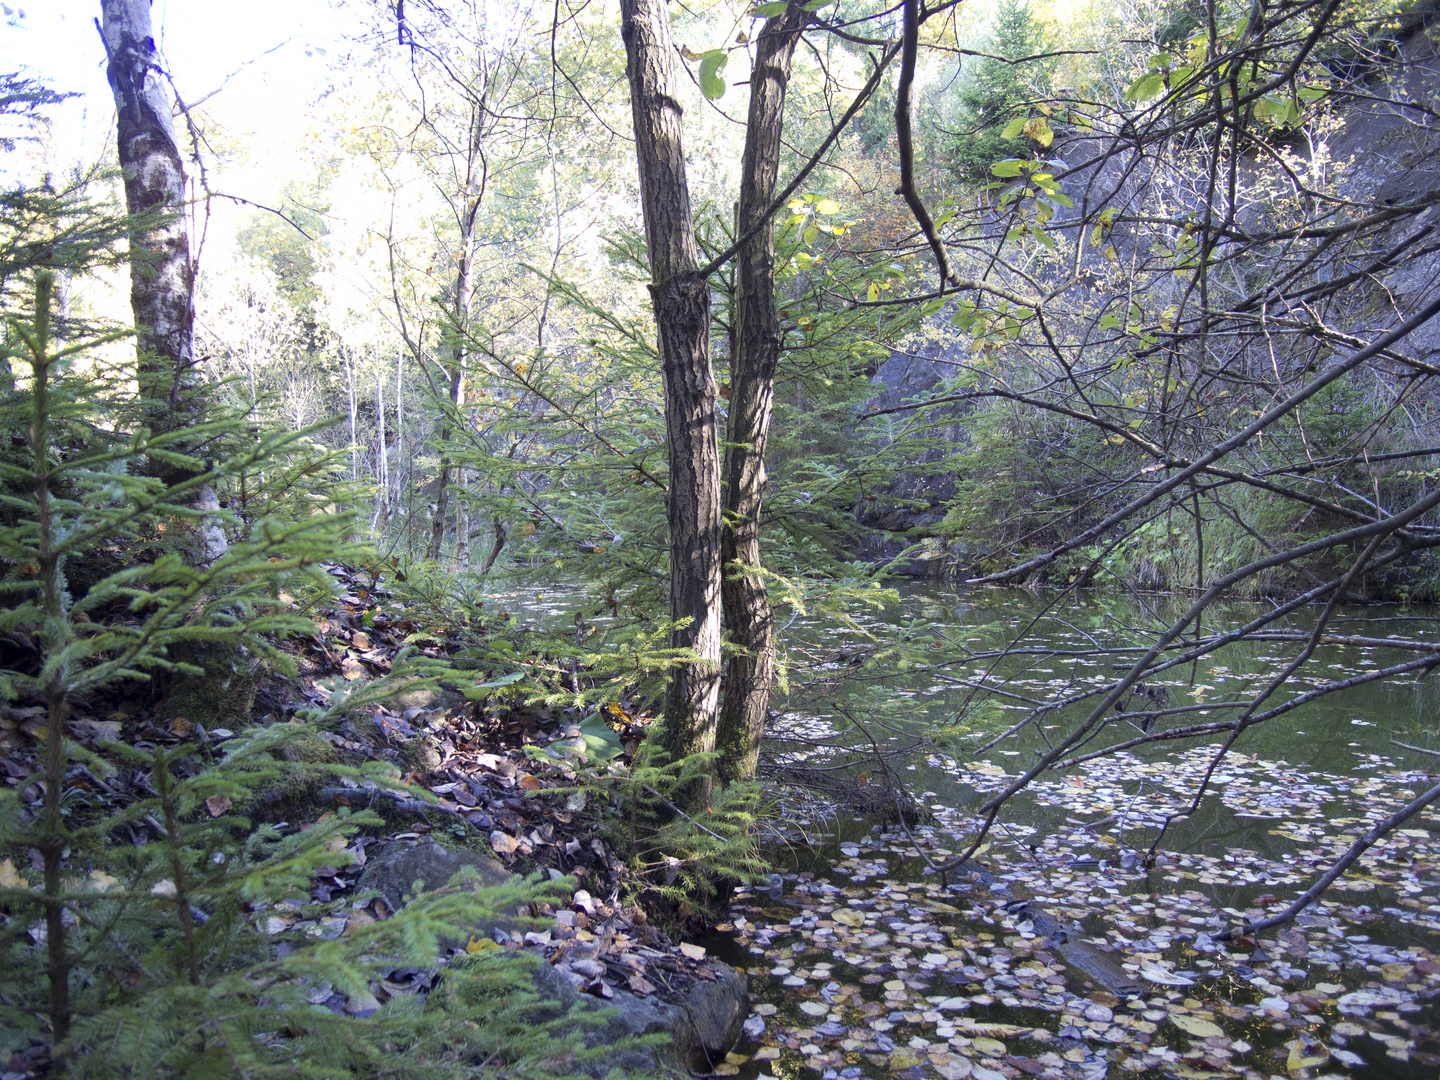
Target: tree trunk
(162,278)
(755,343)
(681,301)
(469,209)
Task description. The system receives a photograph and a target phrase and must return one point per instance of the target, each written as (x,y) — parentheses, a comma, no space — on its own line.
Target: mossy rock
(220,697)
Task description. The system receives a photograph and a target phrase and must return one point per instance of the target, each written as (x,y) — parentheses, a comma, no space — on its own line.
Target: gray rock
(700,1028)
(394,872)
(427,698)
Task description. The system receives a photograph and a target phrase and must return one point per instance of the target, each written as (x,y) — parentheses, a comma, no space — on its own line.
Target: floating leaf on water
(1196,1025)
(1155,973)
(1301,1057)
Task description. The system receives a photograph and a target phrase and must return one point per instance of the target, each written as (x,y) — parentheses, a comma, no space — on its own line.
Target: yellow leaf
(849,918)
(480,945)
(1110,253)
(1039,130)
(102,882)
(9,878)
(827,206)
(1195,1025)
(1300,1058)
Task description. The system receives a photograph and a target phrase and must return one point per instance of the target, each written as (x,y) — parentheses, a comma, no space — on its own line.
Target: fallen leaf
(1156,974)
(694,952)
(99,881)
(503,843)
(1195,1025)
(217,805)
(9,878)
(1301,1058)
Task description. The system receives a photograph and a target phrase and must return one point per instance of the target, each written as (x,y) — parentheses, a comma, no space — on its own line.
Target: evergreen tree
(995,91)
(164,958)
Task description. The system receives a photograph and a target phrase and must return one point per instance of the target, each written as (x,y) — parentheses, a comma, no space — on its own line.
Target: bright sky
(274,53)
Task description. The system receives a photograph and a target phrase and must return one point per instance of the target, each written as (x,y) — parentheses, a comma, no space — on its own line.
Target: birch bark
(162,276)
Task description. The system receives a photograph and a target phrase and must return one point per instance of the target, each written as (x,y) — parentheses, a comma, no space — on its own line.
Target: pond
(1067,955)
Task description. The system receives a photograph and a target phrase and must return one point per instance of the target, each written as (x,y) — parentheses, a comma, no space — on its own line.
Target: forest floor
(498,784)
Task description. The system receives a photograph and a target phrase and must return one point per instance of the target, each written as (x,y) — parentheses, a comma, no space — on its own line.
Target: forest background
(1174,308)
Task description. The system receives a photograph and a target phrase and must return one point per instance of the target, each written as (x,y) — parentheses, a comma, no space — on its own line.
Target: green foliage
(175,957)
(676,856)
(995,94)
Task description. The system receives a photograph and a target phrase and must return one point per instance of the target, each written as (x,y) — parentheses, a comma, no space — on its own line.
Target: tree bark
(467,212)
(162,277)
(680,297)
(755,346)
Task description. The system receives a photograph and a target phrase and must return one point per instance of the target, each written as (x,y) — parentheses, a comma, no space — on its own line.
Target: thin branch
(1309,896)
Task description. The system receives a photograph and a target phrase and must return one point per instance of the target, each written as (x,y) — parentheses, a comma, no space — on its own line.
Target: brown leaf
(529,783)
(360,640)
(217,805)
(351,668)
(503,843)
(180,727)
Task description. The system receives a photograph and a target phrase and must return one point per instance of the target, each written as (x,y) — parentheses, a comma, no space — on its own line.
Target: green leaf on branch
(1008,167)
(477,693)
(1146,87)
(712,84)
(765,11)
(1013,129)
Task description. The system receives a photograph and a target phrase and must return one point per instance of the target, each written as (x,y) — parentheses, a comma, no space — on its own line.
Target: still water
(867,963)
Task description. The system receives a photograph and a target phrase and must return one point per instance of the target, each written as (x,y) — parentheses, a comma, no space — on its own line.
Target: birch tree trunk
(755,345)
(680,298)
(162,277)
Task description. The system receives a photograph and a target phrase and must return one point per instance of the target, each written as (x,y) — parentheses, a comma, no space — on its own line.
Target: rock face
(912,505)
(699,1028)
(695,1030)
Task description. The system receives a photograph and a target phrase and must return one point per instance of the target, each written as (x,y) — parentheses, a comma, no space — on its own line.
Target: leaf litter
(489,768)
(868,965)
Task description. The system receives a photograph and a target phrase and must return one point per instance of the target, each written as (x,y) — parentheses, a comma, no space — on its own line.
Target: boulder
(700,1026)
(394,872)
